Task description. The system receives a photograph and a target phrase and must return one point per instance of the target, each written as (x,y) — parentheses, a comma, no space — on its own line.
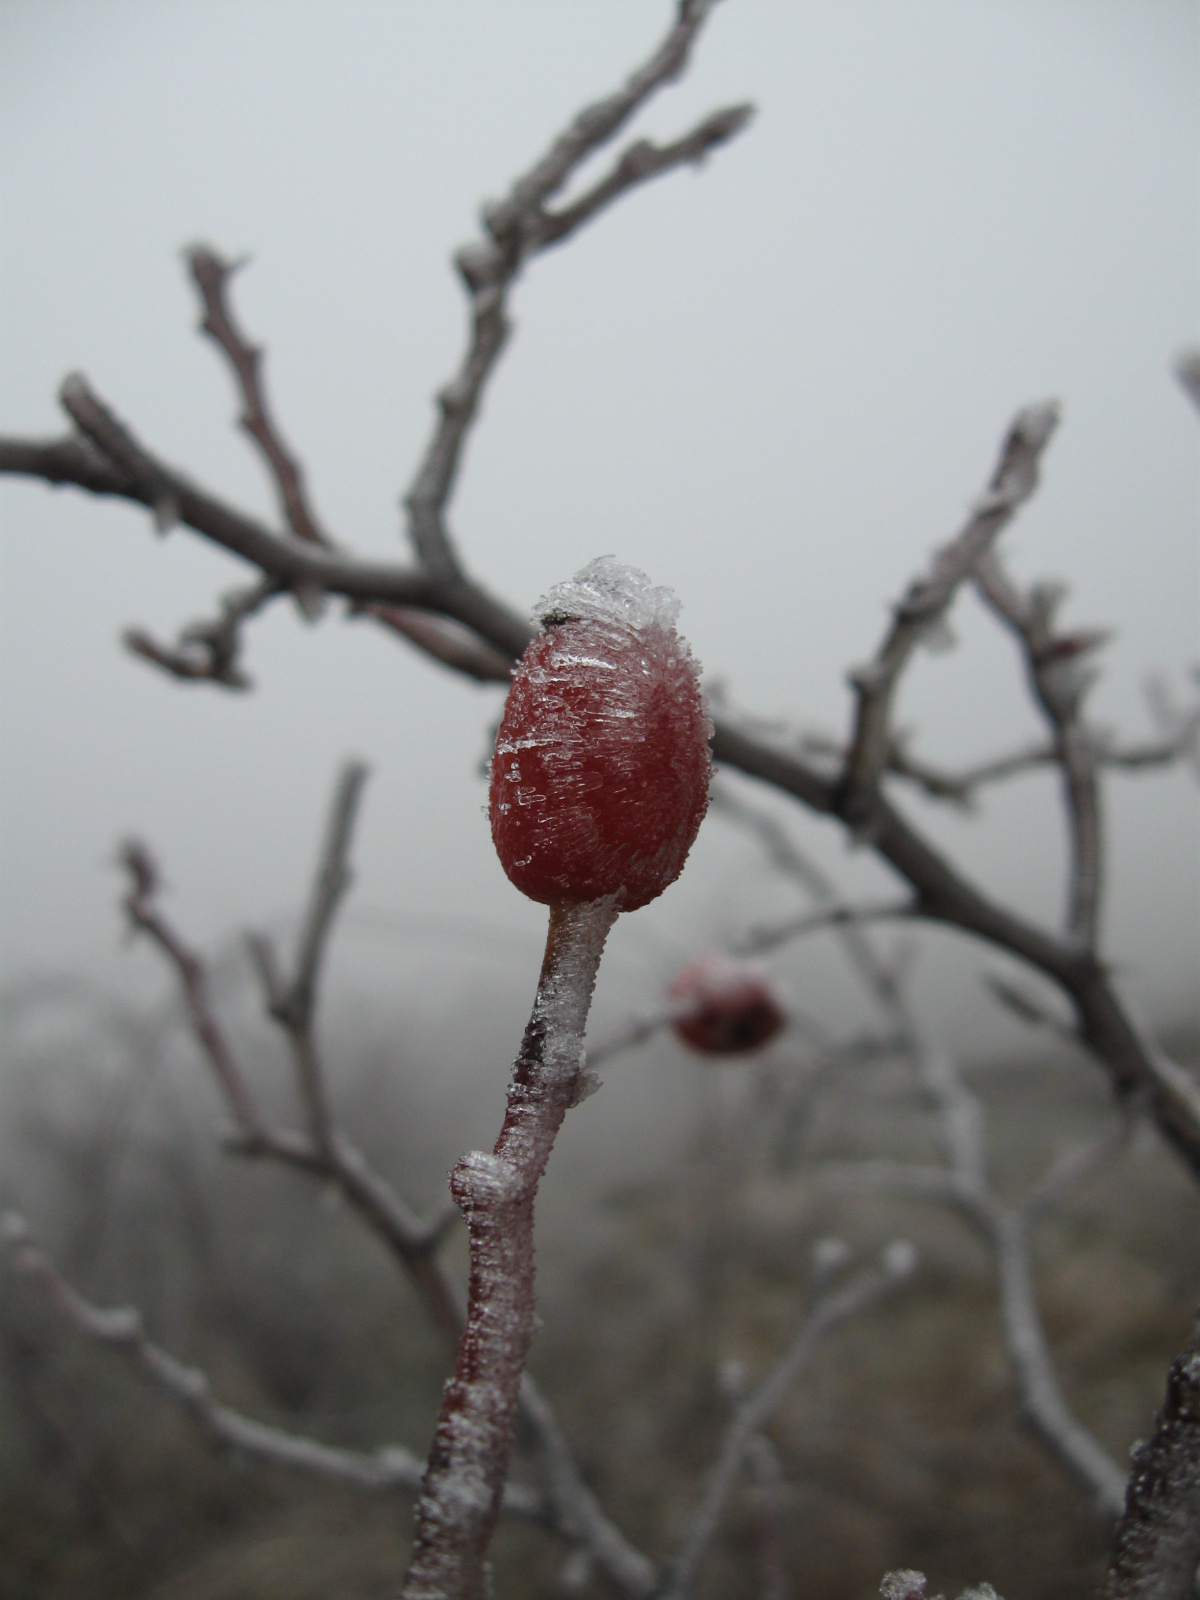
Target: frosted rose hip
(600,776)
(735,1007)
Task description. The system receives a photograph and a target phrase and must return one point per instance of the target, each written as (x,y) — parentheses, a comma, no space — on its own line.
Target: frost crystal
(608,591)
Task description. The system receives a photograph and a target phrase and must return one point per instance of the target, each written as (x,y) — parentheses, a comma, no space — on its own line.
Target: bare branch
(442,639)
(211,274)
(208,650)
(387,1469)
(770,937)
(1187,370)
(897,1264)
(790,860)
(596,124)
(518,227)
(1060,676)
(1041,1398)
(332,880)
(1157,1552)
(1027,1006)
(639,163)
(109,461)
(927,599)
(572,1511)
(965,1185)
(145,917)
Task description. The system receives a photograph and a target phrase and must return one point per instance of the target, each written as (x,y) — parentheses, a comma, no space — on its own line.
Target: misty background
(775,384)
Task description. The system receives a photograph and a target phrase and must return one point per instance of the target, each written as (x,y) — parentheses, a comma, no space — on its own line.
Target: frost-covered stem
(897,1264)
(928,598)
(468,1460)
(388,1469)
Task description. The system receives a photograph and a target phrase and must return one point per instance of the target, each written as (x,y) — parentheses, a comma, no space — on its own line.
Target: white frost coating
(485,1175)
(606,590)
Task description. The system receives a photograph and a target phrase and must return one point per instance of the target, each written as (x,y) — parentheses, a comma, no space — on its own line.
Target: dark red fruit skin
(599,781)
(734,1012)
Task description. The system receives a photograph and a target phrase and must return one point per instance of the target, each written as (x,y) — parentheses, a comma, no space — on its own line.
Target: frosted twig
(519,226)
(897,1264)
(144,915)
(208,649)
(771,936)
(927,599)
(878,977)
(292,1004)
(962,786)
(388,1469)
(638,1027)
(496,1193)
(438,637)
(964,1183)
(1059,673)
(1157,1547)
(572,1511)
(210,275)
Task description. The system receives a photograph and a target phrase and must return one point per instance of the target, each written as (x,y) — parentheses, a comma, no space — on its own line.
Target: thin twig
(518,227)
(965,1184)
(771,936)
(144,915)
(897,1264)
(1060,674)
(210,275)
(927,599)
(572,1511)
(388,1469)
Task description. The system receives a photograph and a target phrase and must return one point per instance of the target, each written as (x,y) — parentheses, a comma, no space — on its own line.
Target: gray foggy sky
(774,384)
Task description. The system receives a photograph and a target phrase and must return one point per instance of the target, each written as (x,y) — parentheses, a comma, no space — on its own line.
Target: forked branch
(896,1265)
(927,599)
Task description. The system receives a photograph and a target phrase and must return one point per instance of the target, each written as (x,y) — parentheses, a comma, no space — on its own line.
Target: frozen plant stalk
(599,784)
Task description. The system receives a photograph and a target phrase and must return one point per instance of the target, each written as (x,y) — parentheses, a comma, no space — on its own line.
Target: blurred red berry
(734,1007)
(600,776)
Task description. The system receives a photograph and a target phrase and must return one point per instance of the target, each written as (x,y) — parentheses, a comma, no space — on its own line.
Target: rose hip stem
(468,1463)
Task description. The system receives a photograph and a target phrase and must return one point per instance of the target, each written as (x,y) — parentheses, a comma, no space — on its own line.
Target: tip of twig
(141,866)
(1036,423)
(725,124)
(73,388)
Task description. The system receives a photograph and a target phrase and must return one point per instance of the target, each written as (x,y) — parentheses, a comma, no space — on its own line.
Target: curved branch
(388,1469)
(927,599)
(897,1264)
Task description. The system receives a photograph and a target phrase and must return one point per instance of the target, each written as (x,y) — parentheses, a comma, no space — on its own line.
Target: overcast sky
(774,384)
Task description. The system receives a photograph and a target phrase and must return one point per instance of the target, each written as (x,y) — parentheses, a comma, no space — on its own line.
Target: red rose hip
(732,1006)
(600,776)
